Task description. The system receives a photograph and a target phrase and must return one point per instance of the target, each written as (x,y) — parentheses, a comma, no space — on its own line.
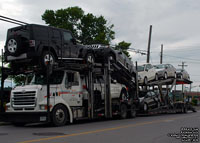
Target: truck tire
(123,111)
(185,110)
(46,57)
(145,108)
(123,95)
(132,113)
(165,76)
(59,115)
(13,45)
(194,110)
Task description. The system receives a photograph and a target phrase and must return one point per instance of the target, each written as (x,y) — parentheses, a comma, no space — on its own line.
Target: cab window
(71,79)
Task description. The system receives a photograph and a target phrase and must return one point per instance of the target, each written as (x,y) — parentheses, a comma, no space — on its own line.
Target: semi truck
(72,92)
(70,81)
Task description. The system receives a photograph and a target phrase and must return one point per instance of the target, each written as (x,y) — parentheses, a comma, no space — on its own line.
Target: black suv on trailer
(36,44)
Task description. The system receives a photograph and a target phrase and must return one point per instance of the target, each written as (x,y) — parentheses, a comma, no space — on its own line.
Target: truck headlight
(7,107)
(42,107)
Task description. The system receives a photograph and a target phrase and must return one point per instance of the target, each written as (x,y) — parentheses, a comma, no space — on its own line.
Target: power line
(181,57)
(137,51)
(183,65)
(11,20)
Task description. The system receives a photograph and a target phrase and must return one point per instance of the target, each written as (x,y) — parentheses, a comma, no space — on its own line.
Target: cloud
(175,23)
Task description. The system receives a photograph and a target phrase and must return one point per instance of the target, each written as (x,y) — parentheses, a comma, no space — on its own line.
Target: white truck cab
(68,96)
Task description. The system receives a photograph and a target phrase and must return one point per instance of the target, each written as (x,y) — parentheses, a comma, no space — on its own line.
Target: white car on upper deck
(146,73)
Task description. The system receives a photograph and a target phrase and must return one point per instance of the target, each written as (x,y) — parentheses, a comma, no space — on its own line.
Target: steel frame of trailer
(90,70)
(178,106)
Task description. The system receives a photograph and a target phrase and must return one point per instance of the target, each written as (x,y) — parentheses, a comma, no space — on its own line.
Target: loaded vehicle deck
(167,105)
(91,107)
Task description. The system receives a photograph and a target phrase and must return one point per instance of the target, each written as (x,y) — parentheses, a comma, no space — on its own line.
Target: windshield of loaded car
(159,66)
(179,70)
(55,78)
(140,68)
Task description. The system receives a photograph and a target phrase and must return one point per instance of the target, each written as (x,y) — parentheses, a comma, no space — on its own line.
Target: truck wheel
(185,110)
(194,110)
(90,58)
(47,56)
(165,75)
(123,111)
(123,95)
(133,111)
(145,108)
(59,115)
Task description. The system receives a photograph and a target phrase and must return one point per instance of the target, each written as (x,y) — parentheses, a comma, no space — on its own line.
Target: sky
(176,25)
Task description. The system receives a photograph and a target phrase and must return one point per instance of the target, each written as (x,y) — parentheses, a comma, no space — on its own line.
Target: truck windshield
(55,78)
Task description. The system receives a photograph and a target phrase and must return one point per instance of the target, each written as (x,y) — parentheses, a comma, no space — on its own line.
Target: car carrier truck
(76,91)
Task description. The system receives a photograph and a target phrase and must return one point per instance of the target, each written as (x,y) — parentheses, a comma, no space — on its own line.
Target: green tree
(87,28)
(124,46)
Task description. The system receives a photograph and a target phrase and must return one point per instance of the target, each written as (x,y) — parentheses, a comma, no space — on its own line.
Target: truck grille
(24,99)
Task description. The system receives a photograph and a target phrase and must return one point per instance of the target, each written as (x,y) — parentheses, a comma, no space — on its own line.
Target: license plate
(43,118)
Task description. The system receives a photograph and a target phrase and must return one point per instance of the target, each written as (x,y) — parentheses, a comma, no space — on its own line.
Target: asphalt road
(150,129)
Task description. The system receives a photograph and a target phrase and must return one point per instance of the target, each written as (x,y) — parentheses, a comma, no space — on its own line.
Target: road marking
(168,120)
(102,130)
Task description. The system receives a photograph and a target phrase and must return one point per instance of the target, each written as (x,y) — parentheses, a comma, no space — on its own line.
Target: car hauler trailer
(72,91)
(167,104)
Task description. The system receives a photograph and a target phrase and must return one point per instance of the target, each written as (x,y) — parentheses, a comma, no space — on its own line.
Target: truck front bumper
(25,117)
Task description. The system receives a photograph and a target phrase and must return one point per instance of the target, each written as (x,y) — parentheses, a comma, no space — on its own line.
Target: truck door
(72,96)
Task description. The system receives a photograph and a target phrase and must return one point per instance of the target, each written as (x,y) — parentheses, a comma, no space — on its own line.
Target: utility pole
(183,65)
(149,44)
(161,54)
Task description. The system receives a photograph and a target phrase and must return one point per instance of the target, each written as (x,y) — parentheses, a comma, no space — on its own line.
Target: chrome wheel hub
(12,46)
(48,58)
(60,115)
